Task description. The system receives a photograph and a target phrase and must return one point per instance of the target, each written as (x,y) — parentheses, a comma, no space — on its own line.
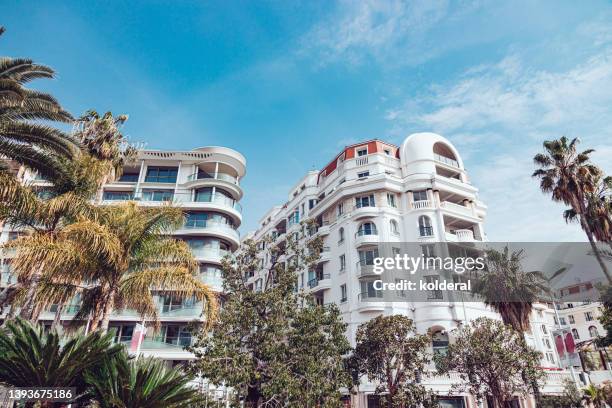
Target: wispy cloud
(499,114)
(361,30)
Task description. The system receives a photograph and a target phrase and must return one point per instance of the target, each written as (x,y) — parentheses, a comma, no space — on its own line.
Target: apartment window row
(161,174)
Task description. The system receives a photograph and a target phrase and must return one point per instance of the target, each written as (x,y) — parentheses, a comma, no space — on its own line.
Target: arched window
(367,228)
(439,342)
(394,227)
(341,234)
(593,331)
(575,334)
(444,154)
(425,228)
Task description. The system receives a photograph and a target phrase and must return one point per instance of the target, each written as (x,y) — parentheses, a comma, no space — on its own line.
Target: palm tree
(23,139)
(103,154)
(598,210)
(569,176)
(116,260)
(43,219)
(31,358)
(511,292)
(594,395)
(508,289)
(123,383)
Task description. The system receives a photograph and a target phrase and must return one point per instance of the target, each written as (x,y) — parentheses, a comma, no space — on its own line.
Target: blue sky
(288,84)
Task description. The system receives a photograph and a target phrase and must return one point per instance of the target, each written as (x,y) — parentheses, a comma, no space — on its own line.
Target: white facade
(374,192)
(205,183)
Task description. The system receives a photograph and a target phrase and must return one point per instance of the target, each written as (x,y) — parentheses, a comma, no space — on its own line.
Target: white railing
(416,205)
(446,160)
(456,207)
(361,161)
(464,235)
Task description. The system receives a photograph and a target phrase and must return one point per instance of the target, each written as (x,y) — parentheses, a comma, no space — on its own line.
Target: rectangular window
(588,316)
(157,195)
(340,209)
(343,293)
(433,294)
(367,257)
(571,319)
(117,195)
(391,200)
(365,201)
(562,321)
(342,262)
(294,218)
(363,174)
(311,203)
(428,251)
(363,151)
(161,174)
(129,178)
(419,195)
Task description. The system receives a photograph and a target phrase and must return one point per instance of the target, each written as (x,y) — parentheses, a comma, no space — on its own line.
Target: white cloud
(369,28)
(499,114)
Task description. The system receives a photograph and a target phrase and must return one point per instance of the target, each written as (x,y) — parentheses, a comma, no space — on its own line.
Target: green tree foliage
(492,359)
(137,383)
(31,358)
(571,397)
(275,347)
(508,288)
(391,353)
(571,178)
(23,137)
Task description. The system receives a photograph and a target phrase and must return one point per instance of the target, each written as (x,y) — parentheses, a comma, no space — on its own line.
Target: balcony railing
(362,232)
(314,282)
(446,160)
(193,224)
(219,176)
(417,205)
(371,296)
(426,231)
(218,199)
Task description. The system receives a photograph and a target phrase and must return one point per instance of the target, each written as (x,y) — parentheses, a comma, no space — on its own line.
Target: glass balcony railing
(219,176)
(186,311)
(218,199)
(192,224)
(207,252)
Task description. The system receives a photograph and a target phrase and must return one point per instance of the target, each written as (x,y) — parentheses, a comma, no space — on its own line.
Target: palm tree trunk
(596,252)
(108,309)
(27,310)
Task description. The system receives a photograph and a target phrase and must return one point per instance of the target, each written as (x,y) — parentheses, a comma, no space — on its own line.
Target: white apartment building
(205,182)
(375,192)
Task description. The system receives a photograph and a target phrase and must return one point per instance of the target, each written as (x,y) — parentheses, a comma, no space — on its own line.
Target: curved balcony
(220,203)
(371,302)
(460,235)
(321,282)
(209,255)
(325,255)
(363,238)
(210,228)
(225,180)
(364,212)
(365,270)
